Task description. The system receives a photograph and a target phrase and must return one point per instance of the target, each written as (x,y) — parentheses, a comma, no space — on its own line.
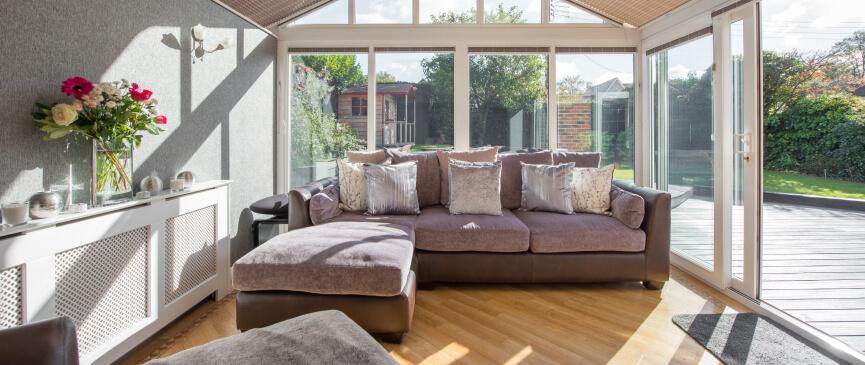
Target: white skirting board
(122,274)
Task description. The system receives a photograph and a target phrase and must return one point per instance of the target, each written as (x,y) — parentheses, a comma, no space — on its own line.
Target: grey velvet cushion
(580,159)
(559,233)
(391,189)
(327,337)
(333,258)
(372,157)
(483,154)
(512,181)
(627,207)
(438,230)
(324,205)
(475,188)
(428,174)
(547,187)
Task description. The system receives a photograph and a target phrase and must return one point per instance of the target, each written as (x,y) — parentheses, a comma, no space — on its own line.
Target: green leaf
(58,133)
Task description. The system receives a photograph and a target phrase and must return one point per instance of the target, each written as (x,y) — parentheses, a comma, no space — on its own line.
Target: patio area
(813,261)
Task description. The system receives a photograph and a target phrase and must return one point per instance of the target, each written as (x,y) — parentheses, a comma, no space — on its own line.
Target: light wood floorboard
(513,324)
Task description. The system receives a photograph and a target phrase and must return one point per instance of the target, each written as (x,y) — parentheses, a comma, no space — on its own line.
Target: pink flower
(161,119)
(138,94)
(76,87)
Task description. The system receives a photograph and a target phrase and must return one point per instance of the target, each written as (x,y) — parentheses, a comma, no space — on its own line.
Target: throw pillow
(375,157)
(475,188)
(391,189)
(591,189)
(512,181)
(324,205)
(547,188)
(627,207)
(352,186)
(580,159)
(483,154)
(428,174)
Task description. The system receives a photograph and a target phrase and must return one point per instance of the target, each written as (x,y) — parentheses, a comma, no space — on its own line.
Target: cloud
(678,71)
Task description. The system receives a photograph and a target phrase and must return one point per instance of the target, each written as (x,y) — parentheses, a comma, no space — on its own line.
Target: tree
(572,85)
(438,85)
(496,15)
(384,77)
(852,52)
(341,71)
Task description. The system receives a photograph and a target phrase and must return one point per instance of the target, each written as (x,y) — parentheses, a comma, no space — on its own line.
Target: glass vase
(111,174)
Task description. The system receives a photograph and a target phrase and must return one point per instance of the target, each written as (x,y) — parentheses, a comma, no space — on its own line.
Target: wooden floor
(503,324)
(813,261)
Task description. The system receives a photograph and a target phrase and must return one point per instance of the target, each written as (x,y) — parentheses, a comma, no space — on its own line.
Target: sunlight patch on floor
(520,356)
(450,354)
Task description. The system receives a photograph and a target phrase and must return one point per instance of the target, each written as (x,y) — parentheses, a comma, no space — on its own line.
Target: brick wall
(575,123)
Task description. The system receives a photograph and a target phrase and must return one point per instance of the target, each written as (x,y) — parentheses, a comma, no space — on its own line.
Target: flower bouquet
(111,115)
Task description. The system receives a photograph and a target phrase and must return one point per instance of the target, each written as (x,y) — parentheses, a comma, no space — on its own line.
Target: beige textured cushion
(475,188)
(591,189)
(484,154)
(346,258)
(391,189)
(512,181)
(437,230)
(627,207)
(428,174)
(372,157)
(580,159)
(352,186)
(324,205)
(559,233)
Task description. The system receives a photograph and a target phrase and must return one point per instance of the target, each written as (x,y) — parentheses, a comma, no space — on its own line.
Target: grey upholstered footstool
(364,269)
(327,337)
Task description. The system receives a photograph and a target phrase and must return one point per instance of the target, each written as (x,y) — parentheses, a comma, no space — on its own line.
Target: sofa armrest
(656,224)
(298,202)
(52,341)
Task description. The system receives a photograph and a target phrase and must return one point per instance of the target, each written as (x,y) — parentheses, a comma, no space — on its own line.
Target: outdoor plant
(112,115)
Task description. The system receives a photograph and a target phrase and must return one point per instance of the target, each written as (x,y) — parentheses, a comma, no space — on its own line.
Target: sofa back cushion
(475,188)
(580,159)
(627,207)
(373,157)
(428,174)
(352,186)
(391,189)
(591,189)
(483,154)
(512,181)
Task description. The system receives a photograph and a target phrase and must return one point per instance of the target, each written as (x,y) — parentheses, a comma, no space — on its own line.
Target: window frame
(361,109)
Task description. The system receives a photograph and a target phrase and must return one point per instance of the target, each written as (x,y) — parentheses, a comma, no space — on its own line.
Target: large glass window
(325,116)
(684,145)
(508,101)
(335,12)
(414,100)
(382,11)
(596,107)
(512,11)
(447,11)
(564,11)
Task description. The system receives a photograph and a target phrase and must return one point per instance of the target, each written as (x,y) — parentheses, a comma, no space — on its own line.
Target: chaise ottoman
(363,269)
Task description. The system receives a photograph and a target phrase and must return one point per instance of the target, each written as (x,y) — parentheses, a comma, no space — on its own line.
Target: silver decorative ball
(188,177)
(151,184)
(45,204)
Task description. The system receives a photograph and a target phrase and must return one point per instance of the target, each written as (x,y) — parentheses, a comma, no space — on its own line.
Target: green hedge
(822,136)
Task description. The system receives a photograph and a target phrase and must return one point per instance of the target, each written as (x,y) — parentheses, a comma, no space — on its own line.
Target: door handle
(745,139)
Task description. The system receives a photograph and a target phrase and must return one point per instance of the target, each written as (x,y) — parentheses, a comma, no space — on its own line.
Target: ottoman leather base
(378,315)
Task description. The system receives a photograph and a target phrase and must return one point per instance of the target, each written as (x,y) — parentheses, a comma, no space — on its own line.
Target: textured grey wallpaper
(221,109)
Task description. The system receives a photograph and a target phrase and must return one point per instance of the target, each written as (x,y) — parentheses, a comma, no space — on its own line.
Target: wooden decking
(813,261)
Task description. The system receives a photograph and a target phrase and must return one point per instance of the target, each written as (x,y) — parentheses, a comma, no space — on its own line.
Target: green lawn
(624,173)
(786,182)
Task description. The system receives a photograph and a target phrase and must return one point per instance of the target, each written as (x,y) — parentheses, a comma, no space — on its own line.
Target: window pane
(447,11)
(333,13)
(596,107)
(564,11)
(508,101)
(684,145)
(512,11)
(382,11)
(323,124)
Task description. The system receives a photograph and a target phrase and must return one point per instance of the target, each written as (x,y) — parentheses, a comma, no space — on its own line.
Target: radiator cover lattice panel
(190,251)
(103,286)
(11,297)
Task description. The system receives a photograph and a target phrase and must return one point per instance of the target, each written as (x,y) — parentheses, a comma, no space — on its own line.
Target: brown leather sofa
(650,265)
(52,341)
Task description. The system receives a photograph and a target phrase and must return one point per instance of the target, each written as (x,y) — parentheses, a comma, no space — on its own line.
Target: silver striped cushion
(391,189)
(547,187)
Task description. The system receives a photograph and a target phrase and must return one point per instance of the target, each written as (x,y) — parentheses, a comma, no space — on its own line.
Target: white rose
(153,111)
(64,114)
(111,104)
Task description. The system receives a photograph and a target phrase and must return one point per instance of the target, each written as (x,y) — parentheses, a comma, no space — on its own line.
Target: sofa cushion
(438,230)
(627,207)
(324,205)
(475,187)
(408,220)
(512,181)
(391,189)
(580,159)
(349,258)
(371,157)
(557,233)
(482,154)
(428,174)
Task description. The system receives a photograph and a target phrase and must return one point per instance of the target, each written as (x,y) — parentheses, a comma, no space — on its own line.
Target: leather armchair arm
(656,224)
(298,202)
(51,341)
